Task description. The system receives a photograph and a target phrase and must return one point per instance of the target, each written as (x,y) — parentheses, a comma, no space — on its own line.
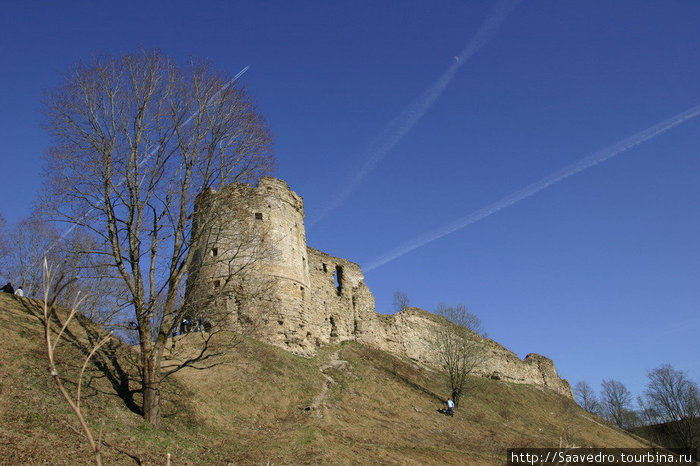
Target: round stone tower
(281,212)
(251,259)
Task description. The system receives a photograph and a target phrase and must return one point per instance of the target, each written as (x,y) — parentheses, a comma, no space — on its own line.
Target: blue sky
(600,271)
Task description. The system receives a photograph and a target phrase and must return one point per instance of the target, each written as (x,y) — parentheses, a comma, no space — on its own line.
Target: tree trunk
(151,404)
(151,387)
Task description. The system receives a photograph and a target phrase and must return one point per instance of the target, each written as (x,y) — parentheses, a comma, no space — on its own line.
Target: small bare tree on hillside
(400,301)
(616,404)
(586,397)
(134,140)
(52,287)
(30,238)
(457,347)
(34,240)
(672,398)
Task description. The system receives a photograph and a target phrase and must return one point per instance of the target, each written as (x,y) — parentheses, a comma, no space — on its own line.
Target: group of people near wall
(200,325)
(10,289)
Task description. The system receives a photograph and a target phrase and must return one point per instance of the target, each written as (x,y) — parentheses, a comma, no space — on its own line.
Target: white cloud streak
(397,128)
(583,164)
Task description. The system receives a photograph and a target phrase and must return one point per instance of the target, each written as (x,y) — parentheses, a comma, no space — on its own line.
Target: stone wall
(411,334)
(339,298)
(313,298)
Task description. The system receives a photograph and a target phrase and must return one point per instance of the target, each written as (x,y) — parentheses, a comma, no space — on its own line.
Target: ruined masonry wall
(317,299)
(340,301)
(410,331)
(284,321)
(282,211)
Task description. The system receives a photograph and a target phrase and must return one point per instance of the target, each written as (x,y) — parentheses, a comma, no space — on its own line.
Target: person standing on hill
(8,288)
(19,292)
(450,407)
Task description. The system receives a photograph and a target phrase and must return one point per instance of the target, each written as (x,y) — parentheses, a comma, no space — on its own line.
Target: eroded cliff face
(312,298)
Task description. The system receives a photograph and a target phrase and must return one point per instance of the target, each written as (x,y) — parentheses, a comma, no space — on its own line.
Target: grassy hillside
(665,434)
(349,405)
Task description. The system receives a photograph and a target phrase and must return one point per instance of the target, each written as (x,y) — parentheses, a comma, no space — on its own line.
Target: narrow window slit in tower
(334,328)
(258,216)
(338,277)
(214,252)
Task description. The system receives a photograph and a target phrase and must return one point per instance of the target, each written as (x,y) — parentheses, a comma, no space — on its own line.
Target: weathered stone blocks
(314,299)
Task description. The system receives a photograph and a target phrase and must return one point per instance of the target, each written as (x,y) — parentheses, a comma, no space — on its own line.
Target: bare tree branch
(50,294)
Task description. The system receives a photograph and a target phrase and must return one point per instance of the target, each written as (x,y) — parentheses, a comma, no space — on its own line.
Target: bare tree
(134,140)
(27,243)
(670,397)
(615,403)
(34,239)
(52,288)
(400,301)
(457,347)
(586,398)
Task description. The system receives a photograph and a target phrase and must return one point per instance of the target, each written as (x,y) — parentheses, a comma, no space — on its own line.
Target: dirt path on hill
(319,406)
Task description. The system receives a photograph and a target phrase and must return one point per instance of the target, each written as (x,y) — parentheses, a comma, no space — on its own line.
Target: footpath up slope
(348,405)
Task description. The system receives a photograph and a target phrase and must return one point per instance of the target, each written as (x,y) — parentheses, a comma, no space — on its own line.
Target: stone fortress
(313,299)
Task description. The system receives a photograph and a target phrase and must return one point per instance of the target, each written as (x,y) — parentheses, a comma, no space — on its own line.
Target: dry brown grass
(252,409)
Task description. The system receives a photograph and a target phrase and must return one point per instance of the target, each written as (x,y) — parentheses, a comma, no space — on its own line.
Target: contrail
(223,88)
(397,128)
(148,156)
(581,165)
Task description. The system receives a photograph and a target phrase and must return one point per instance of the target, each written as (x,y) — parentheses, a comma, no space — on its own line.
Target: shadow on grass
(112,361)
(399,371)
